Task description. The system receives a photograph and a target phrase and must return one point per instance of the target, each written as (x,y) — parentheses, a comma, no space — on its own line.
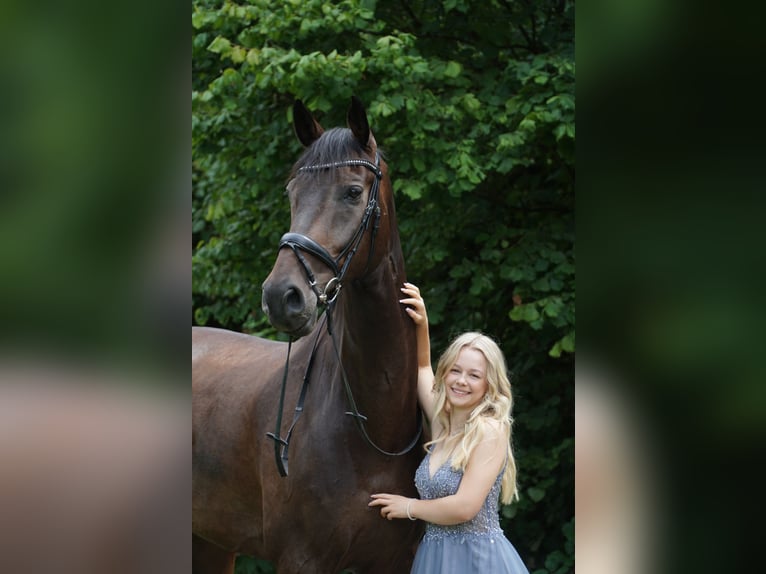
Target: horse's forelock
(336,144)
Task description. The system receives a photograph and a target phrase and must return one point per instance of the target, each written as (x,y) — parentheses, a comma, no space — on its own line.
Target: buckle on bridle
(330,292)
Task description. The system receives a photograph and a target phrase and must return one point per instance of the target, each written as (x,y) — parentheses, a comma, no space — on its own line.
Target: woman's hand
(417,307)
(391,505)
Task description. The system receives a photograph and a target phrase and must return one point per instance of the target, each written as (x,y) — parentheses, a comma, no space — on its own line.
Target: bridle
(327,297)
(298,242)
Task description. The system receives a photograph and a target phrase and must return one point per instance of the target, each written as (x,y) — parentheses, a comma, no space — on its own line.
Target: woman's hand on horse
(391,505)
(417,307)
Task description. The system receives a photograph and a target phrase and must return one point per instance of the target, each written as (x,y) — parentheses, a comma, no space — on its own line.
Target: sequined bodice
(445,482)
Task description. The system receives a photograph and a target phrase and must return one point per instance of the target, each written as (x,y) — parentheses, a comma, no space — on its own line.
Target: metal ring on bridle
(330,292)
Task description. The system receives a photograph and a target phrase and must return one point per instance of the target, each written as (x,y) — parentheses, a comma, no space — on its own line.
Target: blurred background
(670,196)
(94,287)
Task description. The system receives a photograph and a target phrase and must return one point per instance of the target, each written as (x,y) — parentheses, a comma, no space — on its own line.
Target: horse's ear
(357,121)
(306,127)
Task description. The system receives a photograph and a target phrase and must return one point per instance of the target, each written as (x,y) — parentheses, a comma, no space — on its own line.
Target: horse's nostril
(292,301)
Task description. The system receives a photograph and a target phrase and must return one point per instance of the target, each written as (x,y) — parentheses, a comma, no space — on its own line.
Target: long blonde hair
(496,406)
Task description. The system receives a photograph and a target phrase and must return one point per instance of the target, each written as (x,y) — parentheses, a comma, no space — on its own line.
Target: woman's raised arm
(416,309)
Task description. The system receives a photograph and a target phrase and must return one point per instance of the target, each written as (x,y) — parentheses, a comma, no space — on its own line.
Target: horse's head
(335,205)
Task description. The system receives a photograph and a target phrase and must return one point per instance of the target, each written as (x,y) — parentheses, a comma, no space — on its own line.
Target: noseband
(298,243)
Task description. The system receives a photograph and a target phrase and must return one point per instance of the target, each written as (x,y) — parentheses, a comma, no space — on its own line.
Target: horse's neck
(378,342)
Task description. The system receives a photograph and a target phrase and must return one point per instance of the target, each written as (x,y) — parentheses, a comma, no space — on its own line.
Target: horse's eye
(353,192)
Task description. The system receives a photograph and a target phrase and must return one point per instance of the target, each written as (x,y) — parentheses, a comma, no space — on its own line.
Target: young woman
(469,464)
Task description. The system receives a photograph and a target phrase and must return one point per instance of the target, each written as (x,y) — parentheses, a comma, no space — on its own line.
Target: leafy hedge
(473,103)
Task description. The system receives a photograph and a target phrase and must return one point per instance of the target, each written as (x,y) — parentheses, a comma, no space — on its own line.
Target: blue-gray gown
(477,546)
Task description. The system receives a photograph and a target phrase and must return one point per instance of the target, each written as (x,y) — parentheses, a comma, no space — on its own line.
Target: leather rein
(327,297)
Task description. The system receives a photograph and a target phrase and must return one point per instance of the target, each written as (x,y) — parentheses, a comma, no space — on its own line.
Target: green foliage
(250,565)
(473,103)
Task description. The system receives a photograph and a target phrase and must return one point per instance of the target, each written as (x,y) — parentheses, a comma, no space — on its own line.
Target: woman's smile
(467,379)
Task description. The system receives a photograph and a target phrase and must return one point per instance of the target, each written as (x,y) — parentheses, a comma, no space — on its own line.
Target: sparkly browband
(347,163)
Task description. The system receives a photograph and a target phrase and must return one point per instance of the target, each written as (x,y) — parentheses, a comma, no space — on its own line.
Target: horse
(356,427)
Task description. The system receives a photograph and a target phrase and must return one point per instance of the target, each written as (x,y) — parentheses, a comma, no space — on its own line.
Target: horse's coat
(315,520)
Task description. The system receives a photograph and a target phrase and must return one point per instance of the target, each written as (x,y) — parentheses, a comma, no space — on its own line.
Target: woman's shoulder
(488,450)
(493,428)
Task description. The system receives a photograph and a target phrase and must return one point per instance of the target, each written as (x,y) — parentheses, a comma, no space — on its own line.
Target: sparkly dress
(478,546)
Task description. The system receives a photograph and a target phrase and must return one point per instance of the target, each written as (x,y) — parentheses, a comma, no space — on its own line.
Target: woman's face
(466,381)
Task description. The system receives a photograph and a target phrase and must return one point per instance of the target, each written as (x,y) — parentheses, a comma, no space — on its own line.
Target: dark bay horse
(342,253)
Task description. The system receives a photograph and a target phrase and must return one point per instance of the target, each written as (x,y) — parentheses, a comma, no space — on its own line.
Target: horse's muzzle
(290,307)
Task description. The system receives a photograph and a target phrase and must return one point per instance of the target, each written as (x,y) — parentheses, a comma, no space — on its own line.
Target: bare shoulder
(488,454)
(494,429)
(494,440)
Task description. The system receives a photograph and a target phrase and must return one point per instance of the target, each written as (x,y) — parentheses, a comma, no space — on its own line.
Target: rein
(327,297)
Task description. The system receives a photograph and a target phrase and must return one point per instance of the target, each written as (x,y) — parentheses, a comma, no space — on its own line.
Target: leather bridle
(298,242)
(327,297)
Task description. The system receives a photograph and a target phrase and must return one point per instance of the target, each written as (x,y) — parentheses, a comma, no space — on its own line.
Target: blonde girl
(469,465)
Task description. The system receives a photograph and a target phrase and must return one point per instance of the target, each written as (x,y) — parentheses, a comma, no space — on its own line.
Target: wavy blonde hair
(496,406)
